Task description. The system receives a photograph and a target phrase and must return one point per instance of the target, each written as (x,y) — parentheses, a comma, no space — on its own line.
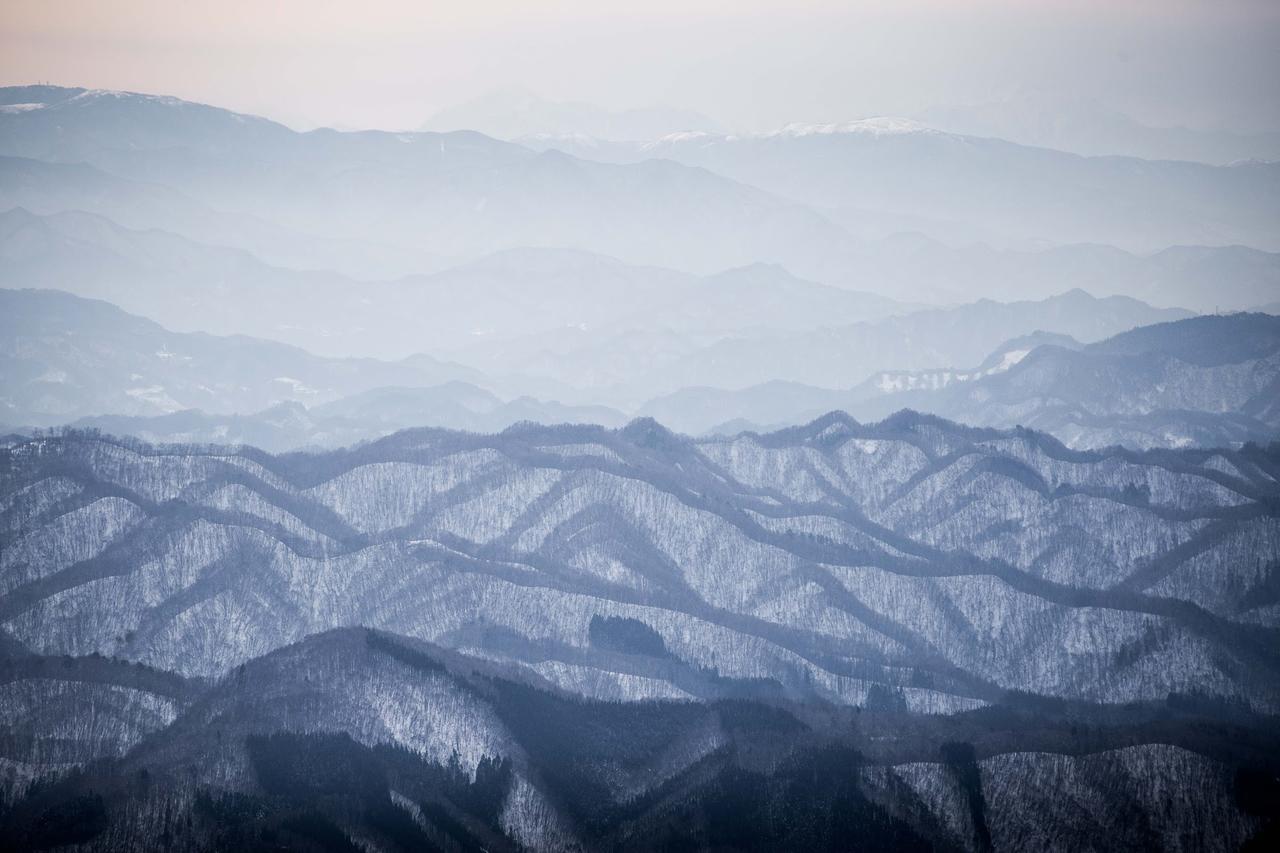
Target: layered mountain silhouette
(214,175)
(963,187)
(177,615)
(613,482)
(385,204)
(69,359)
(1087,127)
(1204,381)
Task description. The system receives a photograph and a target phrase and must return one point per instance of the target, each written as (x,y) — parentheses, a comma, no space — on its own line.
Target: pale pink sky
(749,63)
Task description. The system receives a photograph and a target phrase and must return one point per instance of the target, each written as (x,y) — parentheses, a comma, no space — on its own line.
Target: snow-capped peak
(687,136)
(95,94)
(879,126)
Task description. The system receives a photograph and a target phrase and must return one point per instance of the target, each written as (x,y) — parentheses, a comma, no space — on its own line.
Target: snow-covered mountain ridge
(592,627)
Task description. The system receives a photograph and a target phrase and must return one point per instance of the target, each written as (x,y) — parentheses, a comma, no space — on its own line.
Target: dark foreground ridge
(235,770)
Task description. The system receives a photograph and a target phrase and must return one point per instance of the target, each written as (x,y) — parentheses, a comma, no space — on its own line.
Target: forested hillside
(909,606)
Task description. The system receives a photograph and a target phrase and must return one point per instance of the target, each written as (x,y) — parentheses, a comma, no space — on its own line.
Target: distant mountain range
(216,176)
(965,188)
(66,359)
(1039,119)
(844,356)
(779,403)
(1208,381)
(186,214)
(375,204)
(856,486)
(1087,127)
(361,417)
(1200,278)
(1205,381)
(188,286)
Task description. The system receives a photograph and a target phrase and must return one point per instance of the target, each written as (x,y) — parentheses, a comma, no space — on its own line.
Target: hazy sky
(750,64)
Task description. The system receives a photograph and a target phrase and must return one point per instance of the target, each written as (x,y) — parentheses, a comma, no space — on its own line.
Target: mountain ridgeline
(616,481)
(1210,381)
(1201,381)
(875,206)
(904,635)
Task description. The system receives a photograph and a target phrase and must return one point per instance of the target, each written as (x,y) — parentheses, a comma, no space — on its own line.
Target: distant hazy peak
(95,94)
(29,97)
(37,100)
(1086,126)
(755,270)
(52,96)
(877,126)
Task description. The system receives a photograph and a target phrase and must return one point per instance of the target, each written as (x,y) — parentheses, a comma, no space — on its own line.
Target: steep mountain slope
(1206,380)
(60,713)
(827,558)
(355,737)
(1000,360)
(904,623)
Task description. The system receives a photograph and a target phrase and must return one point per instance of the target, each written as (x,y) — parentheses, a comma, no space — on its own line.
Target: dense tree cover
(770,781)
(835,589)
(629,636)
(69,822)
(811,802)
(961,760)
(316,788)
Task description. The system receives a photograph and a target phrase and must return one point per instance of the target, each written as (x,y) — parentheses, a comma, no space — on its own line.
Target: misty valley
(558,478)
